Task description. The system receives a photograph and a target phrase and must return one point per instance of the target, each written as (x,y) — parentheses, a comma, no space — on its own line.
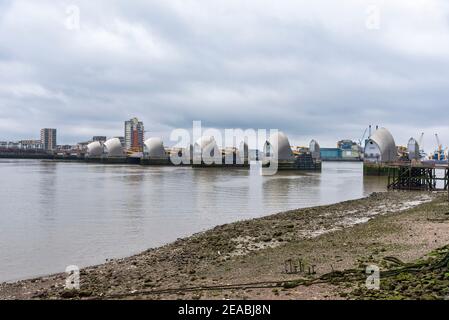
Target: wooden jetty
(423,177)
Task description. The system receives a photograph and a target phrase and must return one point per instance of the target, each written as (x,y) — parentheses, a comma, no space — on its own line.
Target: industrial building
(346,150)
(99,138)
(331,154)
(350,150)
(381,147)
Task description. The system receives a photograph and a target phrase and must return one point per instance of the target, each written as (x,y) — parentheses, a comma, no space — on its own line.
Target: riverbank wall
(377,169)
(301,163)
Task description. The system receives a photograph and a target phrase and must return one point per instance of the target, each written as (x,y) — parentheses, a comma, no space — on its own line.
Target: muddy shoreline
(255,259)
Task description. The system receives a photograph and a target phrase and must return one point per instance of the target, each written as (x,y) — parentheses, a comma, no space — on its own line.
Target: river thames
(55,214)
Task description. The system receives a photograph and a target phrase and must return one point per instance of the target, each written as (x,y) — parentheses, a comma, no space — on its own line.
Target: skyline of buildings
(133,139)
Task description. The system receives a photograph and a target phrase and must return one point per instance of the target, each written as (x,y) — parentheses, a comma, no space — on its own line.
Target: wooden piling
(417,177)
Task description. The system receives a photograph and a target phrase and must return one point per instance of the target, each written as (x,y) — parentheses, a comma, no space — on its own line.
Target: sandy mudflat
(249,259)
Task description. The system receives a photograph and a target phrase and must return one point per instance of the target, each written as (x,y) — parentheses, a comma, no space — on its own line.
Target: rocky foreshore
(299,254)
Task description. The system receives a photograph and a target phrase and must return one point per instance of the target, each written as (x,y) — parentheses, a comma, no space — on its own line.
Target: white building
(94,149)
(278,142)
(413,150)
(31,145)
(381,147)
(113,148)
(315,149)
(154,148)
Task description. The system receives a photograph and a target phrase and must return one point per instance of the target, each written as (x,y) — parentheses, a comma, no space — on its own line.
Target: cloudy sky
(314,69)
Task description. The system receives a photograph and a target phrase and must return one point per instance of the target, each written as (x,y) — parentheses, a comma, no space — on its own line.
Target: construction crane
(439,153)
(363,137)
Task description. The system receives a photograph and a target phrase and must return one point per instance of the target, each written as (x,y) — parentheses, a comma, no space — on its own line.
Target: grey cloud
(311,70)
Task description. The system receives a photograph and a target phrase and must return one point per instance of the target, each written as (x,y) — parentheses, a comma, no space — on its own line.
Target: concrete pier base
(376,169)
(156,162)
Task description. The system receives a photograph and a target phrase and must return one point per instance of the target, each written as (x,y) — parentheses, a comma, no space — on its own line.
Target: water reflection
(47,187)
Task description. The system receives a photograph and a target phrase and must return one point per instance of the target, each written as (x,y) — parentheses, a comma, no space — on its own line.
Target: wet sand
(256,259)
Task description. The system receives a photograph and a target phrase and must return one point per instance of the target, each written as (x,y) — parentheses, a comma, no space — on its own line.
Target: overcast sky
(313,69)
